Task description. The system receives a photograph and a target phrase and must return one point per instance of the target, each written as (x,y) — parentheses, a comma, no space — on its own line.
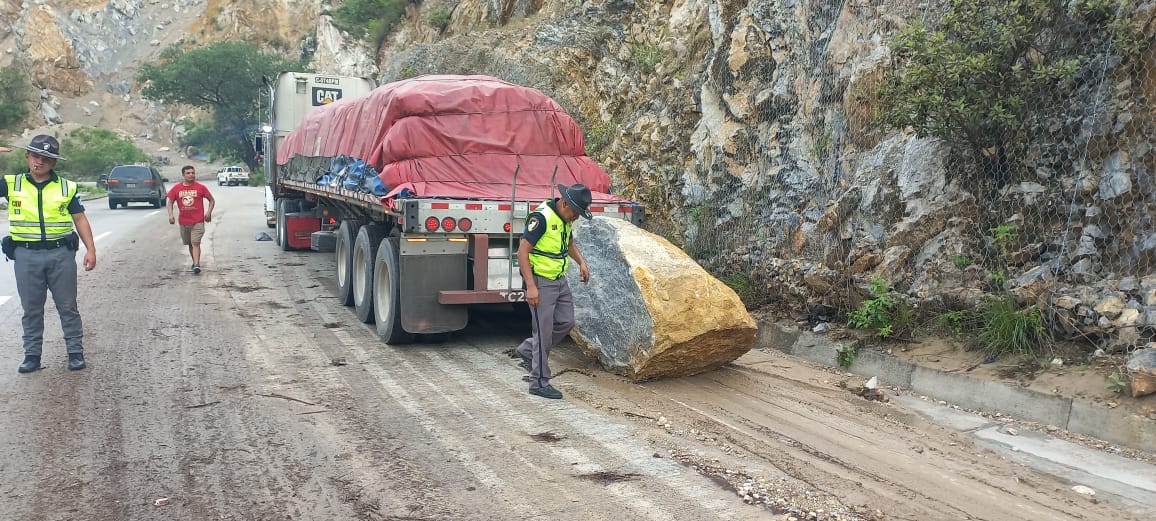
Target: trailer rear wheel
(364,258)
(386,295)
(279,234)
(285,207)
(346,236)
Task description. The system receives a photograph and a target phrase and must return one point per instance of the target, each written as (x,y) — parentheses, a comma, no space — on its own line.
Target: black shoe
(31,363)
(546,392)
(75,362)
(196,269)
(525,363)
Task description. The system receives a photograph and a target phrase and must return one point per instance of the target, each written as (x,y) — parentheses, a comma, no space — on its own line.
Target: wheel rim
(383,292)
(359,274)
(342,261)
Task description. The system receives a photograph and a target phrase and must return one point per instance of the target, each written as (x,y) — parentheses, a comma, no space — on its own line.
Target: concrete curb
(1110,425)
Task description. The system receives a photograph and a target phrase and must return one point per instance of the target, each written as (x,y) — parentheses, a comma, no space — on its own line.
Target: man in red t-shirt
(190,195)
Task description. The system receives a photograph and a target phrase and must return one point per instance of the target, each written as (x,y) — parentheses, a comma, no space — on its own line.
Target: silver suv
(135,184)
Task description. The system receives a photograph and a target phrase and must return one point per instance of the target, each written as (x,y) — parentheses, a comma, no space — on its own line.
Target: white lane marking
(101,236)
(152,213)
(4,299)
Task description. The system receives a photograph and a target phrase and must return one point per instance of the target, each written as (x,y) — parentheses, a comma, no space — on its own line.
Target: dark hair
(187,167)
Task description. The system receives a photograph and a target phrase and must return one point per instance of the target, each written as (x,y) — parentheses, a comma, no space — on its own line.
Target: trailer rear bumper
(481,297)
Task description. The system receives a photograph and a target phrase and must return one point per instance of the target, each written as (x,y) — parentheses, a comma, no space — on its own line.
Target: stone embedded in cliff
(649,310)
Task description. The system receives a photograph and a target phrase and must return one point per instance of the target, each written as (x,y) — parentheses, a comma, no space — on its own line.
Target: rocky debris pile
(1121,314)
(649,310)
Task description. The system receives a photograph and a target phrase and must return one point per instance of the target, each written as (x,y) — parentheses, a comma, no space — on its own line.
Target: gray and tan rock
(649,310)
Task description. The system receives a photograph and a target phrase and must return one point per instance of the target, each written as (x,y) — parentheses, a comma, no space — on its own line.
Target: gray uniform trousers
(37,273)
(551,321)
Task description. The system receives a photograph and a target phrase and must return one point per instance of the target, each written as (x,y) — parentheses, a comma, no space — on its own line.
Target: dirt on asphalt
(249,393)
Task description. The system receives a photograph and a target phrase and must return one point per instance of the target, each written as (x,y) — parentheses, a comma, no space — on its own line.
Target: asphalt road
(248,393)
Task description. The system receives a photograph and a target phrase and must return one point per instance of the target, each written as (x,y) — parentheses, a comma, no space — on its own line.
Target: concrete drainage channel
(1131,481)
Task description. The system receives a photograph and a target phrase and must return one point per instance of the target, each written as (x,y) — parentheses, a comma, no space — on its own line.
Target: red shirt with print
(190,201)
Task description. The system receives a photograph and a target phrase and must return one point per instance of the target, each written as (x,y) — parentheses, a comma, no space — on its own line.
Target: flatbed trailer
(414,264)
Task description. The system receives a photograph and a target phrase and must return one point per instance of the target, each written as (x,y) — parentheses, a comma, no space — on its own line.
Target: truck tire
(285,207)
(346,236)
(386,297)
(279,219)
(364,257)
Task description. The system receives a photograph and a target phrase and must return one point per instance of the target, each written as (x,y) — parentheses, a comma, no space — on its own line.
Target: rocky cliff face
(744,126)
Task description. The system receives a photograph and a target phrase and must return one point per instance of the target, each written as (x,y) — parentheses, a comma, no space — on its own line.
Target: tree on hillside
(94,151)
(224,78)
(14,94)
(989,66)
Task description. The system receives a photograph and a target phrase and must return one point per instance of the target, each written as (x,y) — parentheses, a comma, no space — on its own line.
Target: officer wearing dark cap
(543,257)
(45,217)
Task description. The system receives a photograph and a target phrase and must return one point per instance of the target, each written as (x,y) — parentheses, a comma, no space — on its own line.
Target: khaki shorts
(193,233)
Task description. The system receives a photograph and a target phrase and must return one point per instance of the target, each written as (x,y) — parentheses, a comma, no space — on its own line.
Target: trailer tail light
(448,224)
(465,224)
(431,223)
(506,227)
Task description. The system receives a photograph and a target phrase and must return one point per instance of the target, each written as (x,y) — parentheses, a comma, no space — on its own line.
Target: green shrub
(598,136)
(439,18)
(13,162)
(881,313)
(14,96)
(94,151)
(646,56)
(1005,328)
(978,76)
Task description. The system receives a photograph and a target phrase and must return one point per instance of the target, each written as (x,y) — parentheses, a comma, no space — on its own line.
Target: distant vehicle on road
(135,184)
(233,175)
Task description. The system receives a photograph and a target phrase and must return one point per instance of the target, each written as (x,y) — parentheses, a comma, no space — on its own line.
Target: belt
(41,245)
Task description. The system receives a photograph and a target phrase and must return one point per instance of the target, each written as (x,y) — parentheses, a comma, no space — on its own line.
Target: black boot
(75,361)
(31,363)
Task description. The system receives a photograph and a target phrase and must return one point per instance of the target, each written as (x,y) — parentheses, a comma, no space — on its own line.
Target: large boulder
(649,310)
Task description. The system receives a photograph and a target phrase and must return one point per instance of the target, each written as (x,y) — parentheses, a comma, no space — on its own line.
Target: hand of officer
(89,260)
(584,272)
(532,297)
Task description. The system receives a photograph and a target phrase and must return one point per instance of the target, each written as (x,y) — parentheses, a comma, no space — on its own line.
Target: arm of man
(535,226)
(583,270)
(172,195)
(527,272)
(212,204)
(80,220)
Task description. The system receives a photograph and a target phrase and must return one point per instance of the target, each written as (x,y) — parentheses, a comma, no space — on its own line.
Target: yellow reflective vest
(39,214)
(550,254)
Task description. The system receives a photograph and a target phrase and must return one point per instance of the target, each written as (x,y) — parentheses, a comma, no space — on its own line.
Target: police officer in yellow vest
(44,218)
(543,257)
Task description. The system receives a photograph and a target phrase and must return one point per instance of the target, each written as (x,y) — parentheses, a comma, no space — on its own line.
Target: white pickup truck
(233,175)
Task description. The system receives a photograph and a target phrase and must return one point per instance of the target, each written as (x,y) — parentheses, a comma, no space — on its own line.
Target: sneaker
(76,361)
(546,392)
(197,268)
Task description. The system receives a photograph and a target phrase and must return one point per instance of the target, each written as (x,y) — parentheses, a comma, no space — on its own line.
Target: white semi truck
(421,188)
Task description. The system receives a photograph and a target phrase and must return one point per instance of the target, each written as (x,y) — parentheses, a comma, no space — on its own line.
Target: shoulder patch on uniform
(533,223)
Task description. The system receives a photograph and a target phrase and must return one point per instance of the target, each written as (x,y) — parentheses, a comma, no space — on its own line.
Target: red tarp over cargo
(454,136)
